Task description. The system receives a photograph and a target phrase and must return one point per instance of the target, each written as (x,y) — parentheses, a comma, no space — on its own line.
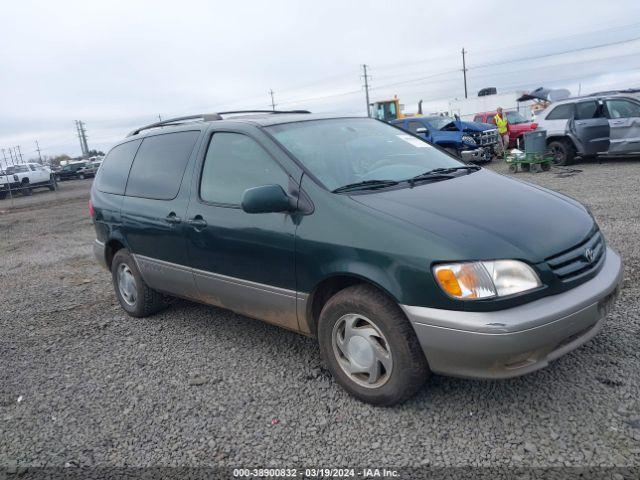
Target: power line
(547,55)
(366,87)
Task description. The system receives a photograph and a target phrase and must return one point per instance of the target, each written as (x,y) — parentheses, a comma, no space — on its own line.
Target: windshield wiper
(365,185)
(441,173)
(453,169)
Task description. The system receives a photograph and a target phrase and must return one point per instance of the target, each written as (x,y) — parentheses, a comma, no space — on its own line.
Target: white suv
(592,125)
(24,177)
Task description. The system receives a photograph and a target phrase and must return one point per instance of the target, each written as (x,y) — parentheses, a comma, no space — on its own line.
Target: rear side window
(159,165)
(115,168)
(623,109)
(561,112)
(234,163)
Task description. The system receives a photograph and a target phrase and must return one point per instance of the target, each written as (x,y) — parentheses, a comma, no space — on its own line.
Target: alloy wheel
(558,155)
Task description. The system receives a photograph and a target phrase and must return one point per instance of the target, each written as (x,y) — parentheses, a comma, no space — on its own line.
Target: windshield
(343,151)
(438,123)
(515,118)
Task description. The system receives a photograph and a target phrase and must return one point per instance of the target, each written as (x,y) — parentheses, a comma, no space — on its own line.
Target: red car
(517,125)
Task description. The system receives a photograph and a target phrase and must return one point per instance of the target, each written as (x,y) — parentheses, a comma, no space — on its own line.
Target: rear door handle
(197,222)
(172,218)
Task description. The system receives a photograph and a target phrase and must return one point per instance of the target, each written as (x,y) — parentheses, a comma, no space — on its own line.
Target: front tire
(135,297)
(81,176)
(370,346)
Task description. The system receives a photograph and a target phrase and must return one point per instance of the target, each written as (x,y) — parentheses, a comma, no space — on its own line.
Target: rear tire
(135,297)
(563,152)
(362,326)
(25,188)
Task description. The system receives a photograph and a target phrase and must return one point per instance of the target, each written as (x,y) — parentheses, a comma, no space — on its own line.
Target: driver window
(234,163)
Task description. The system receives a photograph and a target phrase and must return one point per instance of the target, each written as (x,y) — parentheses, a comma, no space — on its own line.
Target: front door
(590,127)
(244,262)
(624,120)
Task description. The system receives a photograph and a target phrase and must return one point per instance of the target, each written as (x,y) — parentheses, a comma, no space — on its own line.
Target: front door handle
(172,218)
(197,222)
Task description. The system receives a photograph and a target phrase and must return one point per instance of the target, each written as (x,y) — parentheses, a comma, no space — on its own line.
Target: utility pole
(159,118)
(366,86)
(273,103)
(82,135)
(464,72)
(38,150)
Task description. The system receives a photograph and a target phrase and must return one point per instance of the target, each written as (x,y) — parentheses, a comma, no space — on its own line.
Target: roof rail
(263,111)
(205,117)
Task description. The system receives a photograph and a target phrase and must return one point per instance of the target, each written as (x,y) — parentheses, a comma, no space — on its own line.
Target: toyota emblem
(589,255)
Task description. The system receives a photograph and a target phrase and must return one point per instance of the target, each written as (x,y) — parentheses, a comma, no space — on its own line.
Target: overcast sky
(119,64)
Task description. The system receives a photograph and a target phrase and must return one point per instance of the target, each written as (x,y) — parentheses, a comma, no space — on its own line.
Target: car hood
(484,215)
(474,126)
(444,135)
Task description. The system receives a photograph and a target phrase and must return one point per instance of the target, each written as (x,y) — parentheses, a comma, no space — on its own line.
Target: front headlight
(468,139)
(477,280)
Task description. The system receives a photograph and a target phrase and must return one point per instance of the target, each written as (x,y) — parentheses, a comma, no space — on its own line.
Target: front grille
(579,260)
(487,137)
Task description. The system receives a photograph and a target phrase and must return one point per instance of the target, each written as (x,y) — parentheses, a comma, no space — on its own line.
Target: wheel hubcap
(362,351)
(127,284)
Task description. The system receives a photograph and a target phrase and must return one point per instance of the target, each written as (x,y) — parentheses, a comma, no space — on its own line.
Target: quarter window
(234,163)
(160,164)
(114,172)
(623,109)
(561,112)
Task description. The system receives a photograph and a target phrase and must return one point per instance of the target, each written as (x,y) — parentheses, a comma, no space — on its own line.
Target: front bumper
(519,340)
(476,155)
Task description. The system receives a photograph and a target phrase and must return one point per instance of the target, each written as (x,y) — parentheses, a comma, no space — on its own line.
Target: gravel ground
(81,383)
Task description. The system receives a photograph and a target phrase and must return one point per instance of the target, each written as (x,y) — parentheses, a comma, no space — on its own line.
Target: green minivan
(401,260)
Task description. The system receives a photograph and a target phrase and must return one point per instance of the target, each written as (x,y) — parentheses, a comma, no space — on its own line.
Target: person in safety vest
(503,130)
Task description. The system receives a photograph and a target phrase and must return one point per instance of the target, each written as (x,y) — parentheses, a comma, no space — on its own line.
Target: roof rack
(206,117)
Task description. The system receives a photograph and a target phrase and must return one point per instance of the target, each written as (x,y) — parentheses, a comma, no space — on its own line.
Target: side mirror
(266,199)
(422,130)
